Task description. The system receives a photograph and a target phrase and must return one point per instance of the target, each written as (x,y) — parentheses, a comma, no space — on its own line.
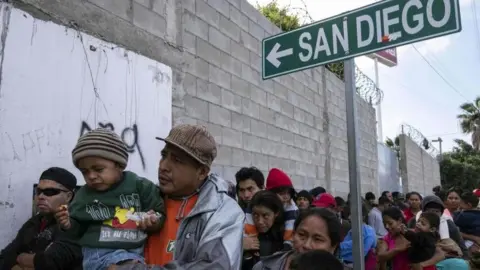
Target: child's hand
(149,221)
(63,217)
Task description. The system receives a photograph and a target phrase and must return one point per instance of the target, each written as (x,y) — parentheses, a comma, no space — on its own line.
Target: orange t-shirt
(161,245)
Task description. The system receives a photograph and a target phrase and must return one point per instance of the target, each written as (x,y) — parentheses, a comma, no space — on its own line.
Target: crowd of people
(193,219)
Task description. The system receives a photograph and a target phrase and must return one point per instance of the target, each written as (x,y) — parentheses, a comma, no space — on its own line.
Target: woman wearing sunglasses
(39,244)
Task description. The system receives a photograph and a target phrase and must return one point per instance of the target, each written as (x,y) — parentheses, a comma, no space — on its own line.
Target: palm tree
(476,134)
(394,144)
(470,120)
(462,147)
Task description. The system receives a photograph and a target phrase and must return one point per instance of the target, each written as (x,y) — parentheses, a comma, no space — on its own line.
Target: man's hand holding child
(150,221)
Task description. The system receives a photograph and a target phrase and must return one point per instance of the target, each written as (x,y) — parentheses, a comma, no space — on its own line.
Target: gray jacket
(210,237)
(276,261)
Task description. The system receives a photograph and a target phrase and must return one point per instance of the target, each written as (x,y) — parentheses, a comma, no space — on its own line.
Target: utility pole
(440,158)
(439,140)
(379,106)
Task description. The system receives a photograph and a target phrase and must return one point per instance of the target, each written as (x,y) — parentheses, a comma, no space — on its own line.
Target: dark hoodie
(452,228)
(422,245)
(42,236)
(468,221)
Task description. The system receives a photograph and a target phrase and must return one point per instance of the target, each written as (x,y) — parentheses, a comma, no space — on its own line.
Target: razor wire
(365,87)
(419,139)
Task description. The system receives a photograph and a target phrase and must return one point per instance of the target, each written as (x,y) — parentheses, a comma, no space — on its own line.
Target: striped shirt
(291,213)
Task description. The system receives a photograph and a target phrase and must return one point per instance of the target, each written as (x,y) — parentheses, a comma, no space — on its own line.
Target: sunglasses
(49,192)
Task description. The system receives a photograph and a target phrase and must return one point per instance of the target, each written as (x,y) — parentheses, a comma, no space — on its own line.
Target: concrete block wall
(294,122)
(420,171)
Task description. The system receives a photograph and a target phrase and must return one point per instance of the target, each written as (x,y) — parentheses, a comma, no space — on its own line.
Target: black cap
(305,194)
(61,176)
(317,191)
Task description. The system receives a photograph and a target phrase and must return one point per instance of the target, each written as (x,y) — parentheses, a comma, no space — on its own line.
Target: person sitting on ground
(316,260)
(112,213)
(304,200)
(40,244)
(279,183)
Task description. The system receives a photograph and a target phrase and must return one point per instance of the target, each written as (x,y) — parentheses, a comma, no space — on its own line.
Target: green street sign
(379,26)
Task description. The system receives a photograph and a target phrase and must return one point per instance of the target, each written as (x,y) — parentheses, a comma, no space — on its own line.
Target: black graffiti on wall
(129,136)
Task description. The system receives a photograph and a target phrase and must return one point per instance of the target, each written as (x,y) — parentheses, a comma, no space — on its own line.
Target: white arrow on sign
(274,55)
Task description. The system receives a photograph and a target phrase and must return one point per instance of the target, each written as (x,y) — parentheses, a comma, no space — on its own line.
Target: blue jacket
(369,242)
(468,221)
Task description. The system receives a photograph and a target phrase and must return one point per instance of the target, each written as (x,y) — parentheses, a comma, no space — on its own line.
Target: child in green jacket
(112,213)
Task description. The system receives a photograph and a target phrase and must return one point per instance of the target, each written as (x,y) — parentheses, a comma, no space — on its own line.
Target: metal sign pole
(354,177)
(379,106)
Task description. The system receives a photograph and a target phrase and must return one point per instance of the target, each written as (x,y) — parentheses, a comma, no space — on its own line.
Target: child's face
(393,226)
(284,196)
(100,174)
(423,225)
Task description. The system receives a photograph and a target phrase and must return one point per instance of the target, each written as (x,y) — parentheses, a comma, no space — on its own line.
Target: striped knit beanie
(102,143)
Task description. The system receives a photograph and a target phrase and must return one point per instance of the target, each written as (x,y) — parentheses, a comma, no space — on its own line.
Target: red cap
(324,200)
(476,192)
(277,178)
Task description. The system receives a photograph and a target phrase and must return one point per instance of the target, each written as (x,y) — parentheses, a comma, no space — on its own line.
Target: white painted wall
(52,80)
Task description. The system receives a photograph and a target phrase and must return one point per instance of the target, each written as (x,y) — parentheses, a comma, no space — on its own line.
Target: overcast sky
(414,93)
